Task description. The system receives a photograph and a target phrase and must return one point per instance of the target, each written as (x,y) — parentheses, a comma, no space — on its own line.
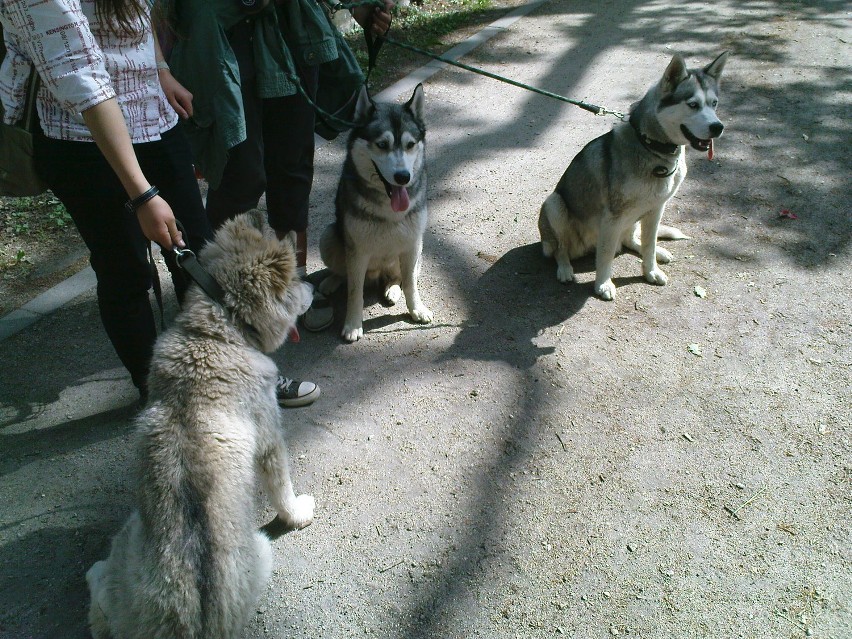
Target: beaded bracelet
(132,205)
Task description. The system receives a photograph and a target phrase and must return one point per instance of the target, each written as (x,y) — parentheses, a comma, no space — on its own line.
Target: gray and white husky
(380,210)
(622,180)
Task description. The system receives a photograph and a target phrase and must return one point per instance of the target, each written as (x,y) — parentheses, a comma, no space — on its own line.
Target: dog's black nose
(402,177)
(716,129)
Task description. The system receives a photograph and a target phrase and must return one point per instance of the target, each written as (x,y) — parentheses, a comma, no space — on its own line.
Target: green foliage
(424,26)
(34,216)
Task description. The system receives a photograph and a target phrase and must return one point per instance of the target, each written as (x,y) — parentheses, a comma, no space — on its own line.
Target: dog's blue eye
(382,144)
(715,102)
(692,105)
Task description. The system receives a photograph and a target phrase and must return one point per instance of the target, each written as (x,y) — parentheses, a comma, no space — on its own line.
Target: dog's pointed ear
(364,107)
(675,73)
(715,68)
(415,103)
(290,239)
(257,219)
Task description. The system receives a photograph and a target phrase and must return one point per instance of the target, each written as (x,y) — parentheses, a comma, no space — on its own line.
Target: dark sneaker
(292,394)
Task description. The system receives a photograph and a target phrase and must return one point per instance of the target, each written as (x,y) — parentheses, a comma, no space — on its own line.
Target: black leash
(188,261)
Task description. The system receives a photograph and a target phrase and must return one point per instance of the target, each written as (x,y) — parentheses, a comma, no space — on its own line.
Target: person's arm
(175,92)
(109,130)
(71,67)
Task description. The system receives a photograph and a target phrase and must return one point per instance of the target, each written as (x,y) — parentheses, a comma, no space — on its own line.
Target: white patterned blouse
(82,62)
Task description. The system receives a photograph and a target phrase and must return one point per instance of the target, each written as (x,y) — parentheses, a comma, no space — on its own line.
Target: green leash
(592,108)
(373,46)
(375,43)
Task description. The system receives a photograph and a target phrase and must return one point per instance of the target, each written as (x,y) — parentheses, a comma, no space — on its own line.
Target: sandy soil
(536,463)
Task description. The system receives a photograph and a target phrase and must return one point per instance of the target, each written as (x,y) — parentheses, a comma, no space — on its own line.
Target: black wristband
(132,205)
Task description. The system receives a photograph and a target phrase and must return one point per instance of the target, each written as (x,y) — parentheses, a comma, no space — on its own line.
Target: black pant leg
(288,140)
(83,181)
(243,180)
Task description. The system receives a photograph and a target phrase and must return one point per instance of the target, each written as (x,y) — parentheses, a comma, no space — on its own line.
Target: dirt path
(537,463)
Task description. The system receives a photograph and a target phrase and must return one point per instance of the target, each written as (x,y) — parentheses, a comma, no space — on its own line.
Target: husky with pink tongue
(381,214)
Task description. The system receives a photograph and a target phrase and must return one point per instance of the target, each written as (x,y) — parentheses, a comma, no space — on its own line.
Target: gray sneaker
(292,394)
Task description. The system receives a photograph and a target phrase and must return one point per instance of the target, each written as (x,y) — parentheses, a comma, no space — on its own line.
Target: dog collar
(657,148)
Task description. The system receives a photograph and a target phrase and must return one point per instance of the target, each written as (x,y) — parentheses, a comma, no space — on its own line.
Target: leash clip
(182,254)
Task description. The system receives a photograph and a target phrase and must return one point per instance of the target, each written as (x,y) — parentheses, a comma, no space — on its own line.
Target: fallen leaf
(699,292)
(695,349)
(788,214)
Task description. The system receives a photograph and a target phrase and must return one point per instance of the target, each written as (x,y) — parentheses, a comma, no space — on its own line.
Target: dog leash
(188,261)
(373,47)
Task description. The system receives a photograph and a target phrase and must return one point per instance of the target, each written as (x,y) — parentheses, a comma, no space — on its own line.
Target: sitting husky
(380,210)
(189,562)
(625,177)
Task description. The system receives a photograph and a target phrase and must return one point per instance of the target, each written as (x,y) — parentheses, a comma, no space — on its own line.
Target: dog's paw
(421,315)
(564,273)
(663,256)
(302,514)
(392,294)
(352,333)
(606,290)
(657,277)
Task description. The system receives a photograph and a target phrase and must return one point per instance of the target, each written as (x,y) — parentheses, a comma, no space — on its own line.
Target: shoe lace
(284,384)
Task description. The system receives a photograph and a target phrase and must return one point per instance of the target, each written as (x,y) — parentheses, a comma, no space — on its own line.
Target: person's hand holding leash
(157,222)
(374,18)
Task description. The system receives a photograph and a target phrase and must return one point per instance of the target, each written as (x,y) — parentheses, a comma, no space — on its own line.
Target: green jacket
(203,61)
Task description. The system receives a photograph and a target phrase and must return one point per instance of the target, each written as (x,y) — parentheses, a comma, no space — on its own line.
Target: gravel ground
(536,463)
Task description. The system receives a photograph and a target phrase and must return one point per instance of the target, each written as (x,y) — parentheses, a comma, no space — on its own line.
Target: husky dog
(623,179)
(380,210)
(189,562)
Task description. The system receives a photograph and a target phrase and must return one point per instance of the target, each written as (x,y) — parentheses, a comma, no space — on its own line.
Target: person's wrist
(133,204)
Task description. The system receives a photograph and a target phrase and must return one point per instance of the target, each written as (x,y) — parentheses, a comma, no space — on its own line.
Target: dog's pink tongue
(399,199)
(293,336)
(710,150)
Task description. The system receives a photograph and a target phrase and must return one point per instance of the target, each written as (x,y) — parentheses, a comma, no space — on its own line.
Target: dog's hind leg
(391,280)
(356,272)
(330,284)
(609,240)
(409,266)
(97,615)
(554,230)
(295,512)
(650,224)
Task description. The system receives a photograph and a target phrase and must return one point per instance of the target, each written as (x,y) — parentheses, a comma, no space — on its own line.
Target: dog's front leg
(409,266)
(295,512)
(650,226)
(356,271)
(609,239)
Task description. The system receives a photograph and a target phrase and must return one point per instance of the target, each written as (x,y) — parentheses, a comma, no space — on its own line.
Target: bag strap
(30,115)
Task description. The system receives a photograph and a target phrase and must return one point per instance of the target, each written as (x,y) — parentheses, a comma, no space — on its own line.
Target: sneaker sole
(298,402)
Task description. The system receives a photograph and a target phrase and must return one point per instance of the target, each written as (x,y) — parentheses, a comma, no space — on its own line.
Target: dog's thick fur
(380,210)
(189,563)
(622,180)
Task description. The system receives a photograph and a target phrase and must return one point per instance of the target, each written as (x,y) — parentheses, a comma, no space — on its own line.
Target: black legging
(278,154)
(79,175)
